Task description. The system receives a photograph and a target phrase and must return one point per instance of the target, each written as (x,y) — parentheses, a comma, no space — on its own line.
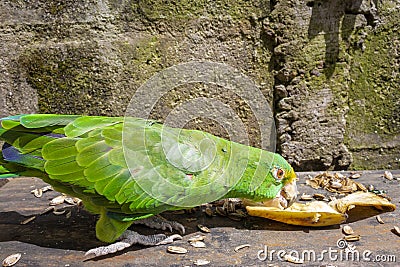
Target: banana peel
(319,213)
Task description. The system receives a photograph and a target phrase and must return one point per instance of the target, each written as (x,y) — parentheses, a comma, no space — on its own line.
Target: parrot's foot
(129,238)
(158,222)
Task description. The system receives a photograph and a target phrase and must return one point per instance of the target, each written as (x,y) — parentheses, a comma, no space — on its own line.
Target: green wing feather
(124,178)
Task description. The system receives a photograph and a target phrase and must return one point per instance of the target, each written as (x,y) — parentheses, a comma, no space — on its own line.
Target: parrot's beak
(288,194)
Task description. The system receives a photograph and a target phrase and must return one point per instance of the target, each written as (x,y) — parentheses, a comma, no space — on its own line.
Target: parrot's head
(279,186)
(288,194)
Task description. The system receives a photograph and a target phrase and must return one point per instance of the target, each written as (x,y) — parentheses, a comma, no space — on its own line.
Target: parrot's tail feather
(11,154)
(14,164)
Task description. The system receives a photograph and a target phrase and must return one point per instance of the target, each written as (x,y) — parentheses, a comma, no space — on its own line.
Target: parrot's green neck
(257,182)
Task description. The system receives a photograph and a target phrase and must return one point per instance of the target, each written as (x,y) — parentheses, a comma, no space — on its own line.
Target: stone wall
(329,69)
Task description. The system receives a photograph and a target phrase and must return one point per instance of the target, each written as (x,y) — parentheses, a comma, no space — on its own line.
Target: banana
(319,213)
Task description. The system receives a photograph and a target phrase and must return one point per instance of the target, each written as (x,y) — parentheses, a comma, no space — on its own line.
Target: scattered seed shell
(221,211)
(347,230)
(355,176)
(48,209)
(176,250)
(77,201)
(306,197)
(38,192)
(197,238)
(57,200)
(28,220)
(11,260)
(203,228)
(235,217)
(319,196)
(70,200)
(179,212)
(201,262)
(352,237)
(240,213)
(396,230)
(371,187)
(336,185)
(68,214)
(198,244)
(58,212)
(209,212)
(379,219)
(47,188)
(241,247)
(292,259)
(339,175)
(388,175)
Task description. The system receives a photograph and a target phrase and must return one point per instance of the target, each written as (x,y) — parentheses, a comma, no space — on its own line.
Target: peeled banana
(319,213)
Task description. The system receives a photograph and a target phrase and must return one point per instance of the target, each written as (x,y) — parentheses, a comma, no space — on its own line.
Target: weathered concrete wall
(330,69)
(337,83)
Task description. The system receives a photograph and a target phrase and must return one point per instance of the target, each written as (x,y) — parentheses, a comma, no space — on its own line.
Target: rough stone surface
(337,83)
(329,69)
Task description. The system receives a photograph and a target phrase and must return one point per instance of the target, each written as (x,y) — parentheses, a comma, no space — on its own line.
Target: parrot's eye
(278,173)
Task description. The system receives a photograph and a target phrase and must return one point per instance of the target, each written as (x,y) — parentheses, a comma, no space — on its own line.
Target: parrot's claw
(169,239)
(130,238)
(158,222)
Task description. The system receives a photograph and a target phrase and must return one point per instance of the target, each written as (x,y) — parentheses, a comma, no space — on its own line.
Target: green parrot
(127,170)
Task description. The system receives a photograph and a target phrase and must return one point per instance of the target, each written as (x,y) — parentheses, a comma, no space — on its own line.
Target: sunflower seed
(396,230)
(241,247)
(306,197)
(292,259)
(235,217)
(68,215)
(371,187)
(201,262)
(196,238)
(11,260)
(379,219)
(198,244)
(209,211)
(361,187)
(355,176)
(47,188)
(347,230)
(177,250)
(48,209)
(58,212)
(339,175)
(38,192)
(336,185)
(77,201)
(388,175)
(70,200)
(203,228)
(220,211)
(57,200)
(352,237)
(28,220)
(319,196)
